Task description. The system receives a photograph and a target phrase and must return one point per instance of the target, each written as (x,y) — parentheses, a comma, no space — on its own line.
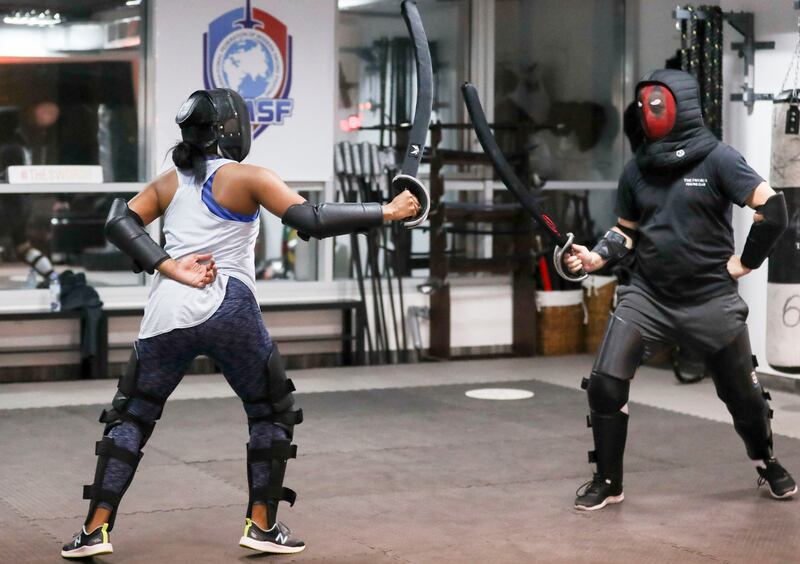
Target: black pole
(372,174)
(355,251)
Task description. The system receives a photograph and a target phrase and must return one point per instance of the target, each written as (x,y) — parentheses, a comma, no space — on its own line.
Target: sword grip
(558,262)
(405,182)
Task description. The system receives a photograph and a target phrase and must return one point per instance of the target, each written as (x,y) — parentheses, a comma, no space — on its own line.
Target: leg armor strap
(274,495)
(280,450)
(112,418)
(287,418)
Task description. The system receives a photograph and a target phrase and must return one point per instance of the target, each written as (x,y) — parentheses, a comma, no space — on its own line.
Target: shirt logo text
(695,182)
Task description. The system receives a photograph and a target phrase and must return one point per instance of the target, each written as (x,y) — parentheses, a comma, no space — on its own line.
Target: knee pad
(282,413)
(279,399)
(733,371)
(616,364)
(606,393)
(106,449)
(128,389)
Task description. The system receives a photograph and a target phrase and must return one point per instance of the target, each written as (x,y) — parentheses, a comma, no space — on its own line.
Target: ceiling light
(33,18)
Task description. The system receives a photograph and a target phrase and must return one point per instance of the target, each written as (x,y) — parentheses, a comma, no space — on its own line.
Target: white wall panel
(298,150)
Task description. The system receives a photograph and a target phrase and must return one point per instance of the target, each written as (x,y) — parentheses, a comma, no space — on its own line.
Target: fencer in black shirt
(674,204)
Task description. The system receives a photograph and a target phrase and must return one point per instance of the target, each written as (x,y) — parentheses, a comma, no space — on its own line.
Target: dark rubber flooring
(405,475)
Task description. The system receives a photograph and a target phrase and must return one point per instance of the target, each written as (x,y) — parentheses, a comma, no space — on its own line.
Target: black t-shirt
(684,217)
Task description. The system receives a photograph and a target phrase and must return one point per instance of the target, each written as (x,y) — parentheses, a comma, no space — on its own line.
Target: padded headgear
(686,139)
(219,116)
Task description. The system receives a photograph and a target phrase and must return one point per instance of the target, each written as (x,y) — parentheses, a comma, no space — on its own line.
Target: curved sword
(514,184)
(407,178)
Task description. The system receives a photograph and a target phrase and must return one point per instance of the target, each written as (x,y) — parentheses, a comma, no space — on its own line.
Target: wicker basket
(560,322)
(598,295)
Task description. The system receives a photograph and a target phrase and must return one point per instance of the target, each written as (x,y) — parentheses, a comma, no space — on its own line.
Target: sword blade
(424,105)
(504,170)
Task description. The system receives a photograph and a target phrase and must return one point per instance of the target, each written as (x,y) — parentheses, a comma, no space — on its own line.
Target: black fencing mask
(220,117)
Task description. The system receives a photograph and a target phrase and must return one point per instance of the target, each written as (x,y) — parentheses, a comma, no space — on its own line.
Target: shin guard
(733,371)
(610,432)
(276,456)
(282,413)
(106,448)
(607,391)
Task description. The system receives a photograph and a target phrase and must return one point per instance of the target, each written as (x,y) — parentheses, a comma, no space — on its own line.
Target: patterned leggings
(236,339)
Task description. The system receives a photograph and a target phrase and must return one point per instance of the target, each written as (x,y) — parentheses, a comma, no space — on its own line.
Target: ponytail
(190,157)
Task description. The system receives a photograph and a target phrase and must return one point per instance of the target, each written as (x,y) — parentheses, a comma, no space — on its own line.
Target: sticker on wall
(250,51)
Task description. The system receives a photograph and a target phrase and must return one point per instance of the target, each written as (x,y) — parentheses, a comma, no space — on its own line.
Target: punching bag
(783,289)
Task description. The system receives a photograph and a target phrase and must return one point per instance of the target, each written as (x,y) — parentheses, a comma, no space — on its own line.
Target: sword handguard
(405,182)
(558,262)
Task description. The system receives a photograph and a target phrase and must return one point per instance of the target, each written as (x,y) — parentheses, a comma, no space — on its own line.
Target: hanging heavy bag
(783,288)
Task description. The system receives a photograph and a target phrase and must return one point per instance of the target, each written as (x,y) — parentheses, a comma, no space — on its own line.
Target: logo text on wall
(250,51)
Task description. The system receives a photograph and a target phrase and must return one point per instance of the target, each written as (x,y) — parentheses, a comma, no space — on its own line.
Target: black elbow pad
(330,220)
(125,229)
(611,247)
(764,234)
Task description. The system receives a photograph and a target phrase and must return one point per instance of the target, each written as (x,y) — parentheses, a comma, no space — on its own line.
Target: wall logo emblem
(250,51)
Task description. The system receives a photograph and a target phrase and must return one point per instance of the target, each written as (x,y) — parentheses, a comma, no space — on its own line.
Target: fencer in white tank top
(195,223)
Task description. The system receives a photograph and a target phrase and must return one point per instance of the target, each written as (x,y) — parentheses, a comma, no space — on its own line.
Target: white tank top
(195,223)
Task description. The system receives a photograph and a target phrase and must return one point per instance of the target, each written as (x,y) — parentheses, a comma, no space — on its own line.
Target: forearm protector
(611,247)
(764,234)
(329,220)
(125,229)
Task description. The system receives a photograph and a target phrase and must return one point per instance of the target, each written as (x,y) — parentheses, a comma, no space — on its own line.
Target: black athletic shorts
(704,327)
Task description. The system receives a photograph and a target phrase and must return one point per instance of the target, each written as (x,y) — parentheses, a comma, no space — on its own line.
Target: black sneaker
(276,540)
(88,544)
(597,493)
(781,484)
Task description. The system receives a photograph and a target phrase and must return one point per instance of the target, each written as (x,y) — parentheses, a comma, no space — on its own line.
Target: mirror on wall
(72,95)
(564,83)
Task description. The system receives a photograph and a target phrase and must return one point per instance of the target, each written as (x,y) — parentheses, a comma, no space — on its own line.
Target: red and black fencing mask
(657,110)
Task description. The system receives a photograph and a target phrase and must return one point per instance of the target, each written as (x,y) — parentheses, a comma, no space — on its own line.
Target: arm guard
(630,232)
(764,234)
(611,247)
(125,229)
(329,220)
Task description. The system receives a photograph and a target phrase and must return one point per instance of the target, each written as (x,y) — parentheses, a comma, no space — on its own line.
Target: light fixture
(133,2)
(350,4)
(33,18)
